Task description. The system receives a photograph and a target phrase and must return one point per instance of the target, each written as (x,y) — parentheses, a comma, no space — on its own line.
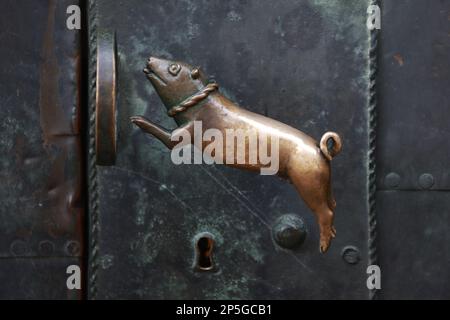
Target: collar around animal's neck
(194,99)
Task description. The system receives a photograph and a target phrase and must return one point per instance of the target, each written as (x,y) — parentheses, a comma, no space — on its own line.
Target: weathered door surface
(41,155)
(136,226)
(413,150)
(304,63)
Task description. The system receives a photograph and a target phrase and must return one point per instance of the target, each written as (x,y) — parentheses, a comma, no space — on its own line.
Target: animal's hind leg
(314,188)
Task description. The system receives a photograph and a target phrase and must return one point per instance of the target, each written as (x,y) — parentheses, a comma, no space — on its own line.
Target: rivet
(289,231)
(351,255)
(426,181)
(46,248)
(106,261)
(72,248)
(392,180)
(19,248)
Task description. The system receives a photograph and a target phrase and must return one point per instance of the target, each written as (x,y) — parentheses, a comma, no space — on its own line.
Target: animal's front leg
(157,131)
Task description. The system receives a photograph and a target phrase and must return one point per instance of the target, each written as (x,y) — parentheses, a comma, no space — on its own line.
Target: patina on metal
(302,160)
(105,117)
(304,63)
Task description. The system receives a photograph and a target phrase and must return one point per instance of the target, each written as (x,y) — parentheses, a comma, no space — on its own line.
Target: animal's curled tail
(336,148)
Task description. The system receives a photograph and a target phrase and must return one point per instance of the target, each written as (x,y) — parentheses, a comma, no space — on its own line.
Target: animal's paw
(326,235)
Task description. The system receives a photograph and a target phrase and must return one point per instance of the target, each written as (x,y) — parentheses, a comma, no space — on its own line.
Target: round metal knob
(289,231)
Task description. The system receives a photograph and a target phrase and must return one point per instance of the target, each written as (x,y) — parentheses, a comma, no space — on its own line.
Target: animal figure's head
(174,81)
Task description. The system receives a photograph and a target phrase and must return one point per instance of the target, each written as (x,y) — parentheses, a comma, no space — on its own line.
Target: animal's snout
(150,62)
(151,66)
(154,62)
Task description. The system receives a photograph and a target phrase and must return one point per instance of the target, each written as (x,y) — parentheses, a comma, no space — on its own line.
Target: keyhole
(204,253)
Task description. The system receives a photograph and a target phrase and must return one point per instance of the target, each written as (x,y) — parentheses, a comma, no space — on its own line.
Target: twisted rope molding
(92,166)
(372,134)
(192,101)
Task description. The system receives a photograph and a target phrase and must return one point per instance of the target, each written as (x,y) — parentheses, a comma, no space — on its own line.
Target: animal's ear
(195,73)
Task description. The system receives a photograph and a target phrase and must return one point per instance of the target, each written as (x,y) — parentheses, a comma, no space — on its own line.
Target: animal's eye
(174,69)
(195,74)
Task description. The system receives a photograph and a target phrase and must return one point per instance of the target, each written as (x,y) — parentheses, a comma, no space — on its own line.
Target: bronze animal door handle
(197,104)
